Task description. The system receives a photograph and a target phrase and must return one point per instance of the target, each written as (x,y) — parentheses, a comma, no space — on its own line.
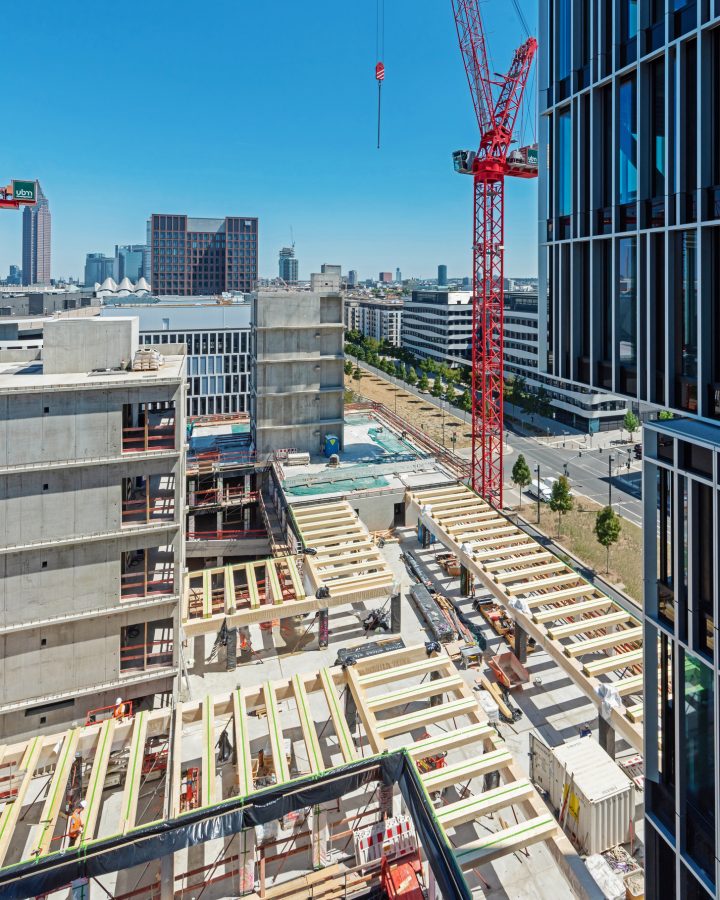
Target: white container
(601,805)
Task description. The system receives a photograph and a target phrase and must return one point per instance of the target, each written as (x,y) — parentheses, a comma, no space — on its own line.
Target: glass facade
(631,208)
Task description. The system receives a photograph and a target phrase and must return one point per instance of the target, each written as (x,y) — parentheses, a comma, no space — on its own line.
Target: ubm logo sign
(25,190)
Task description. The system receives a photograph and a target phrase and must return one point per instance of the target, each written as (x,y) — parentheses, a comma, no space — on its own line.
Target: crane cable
(521,16)
(379,54)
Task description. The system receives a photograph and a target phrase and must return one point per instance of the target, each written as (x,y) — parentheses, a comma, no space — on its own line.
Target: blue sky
(245,108)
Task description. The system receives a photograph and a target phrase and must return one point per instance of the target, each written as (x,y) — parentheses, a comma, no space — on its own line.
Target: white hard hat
(83,804)
(119,700)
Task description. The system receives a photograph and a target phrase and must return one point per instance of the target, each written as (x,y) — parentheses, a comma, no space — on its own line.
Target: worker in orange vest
(120,710)
(76,825)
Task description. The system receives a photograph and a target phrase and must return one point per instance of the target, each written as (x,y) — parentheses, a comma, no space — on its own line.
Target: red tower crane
(497,102)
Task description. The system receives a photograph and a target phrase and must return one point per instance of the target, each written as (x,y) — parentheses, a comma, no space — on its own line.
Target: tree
(665,414)
(423,384)
(437,388)
(544,406)
(450,394)
(411,376)
(607,530)
(561,500)
(630,422)
(348,367)
(517,391)
(466,400)
(521,475)
(399,369)
(357,374)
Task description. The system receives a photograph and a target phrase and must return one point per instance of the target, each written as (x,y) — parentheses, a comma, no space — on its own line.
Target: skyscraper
(398,276)
(192,256)
(630,265)
(98,267)
(288,265)
(442,276)
(352,278)
(129,261)
(36,241)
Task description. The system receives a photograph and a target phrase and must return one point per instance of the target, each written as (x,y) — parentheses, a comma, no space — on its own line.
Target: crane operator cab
(463,161)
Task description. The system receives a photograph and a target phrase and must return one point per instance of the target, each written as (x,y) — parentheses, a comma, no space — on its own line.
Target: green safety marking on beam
(134,763)
(29,753)
(280,765)
(488,795)
(207,600)
(343,734)
(500,837)
(301,696)
(473,730)
(107,727)
(56,786)
(209,706)
(246,763)
(460,768)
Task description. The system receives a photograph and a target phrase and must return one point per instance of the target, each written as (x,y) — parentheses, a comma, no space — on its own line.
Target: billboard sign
(25,191)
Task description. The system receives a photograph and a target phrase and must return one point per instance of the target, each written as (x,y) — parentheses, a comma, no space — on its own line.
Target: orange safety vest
(119,711)
(76,825)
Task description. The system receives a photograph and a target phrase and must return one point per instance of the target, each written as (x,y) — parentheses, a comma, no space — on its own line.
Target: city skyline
(343,198)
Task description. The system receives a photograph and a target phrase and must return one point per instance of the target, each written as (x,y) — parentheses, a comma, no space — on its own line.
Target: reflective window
(626,323)
(563,38)
(666,520)
(686,332)
(627,145)
(657,129)
(564,163)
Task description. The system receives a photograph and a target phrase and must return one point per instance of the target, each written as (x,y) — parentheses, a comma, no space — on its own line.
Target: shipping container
(592,797)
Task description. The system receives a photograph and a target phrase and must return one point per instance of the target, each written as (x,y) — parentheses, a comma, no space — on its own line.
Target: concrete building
(297,393)
(217,338)
(202,256)
(442,278)
(98,267)
(379,319)
(325,282)
(288,265)
(43,303)
(37,236)
(629,262)
(91,499)
(438,325)
(385,277)
(352,279)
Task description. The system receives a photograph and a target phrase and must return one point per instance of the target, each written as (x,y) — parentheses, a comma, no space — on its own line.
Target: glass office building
(630,270)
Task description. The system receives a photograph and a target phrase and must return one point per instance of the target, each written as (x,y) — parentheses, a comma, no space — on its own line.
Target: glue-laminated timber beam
(207,593)
(313,512)
(448,490)
(347,747)
(298,587)
(589,626)
(614,663)
(519,562)
(517,837)
(252,587)
(529,571)
(629,685)
(467,769)
(451,740)
(420,667)
(581,590)
(273,591)
(243,767)
(93,796)
(176,774)
(307,725)
(56,794)
(364,562)
(465,518)
(280,765)
(128,808)
(343,554)
(569,610)
(452,503)
(11,811)
(462,525)
(542,584)
(635,712)
(368,719)
(611,639)
(416,692)
(471,537)
(350,540)
(426,716)
(337,525)
(470,808)
(364,582)
(207,759)
(503,545)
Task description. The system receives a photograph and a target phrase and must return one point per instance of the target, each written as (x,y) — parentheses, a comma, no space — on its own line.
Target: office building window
(626,322)
(688,162)
(627,144)
(563,44)
(661,794)
(686,326)
(656,155)
(564,164)
(703,566)
(666,533)
(628,32)
(698,761)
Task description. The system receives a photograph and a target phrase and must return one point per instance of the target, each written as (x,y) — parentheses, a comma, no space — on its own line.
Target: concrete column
(319,837)
(323,628)
(246,861)
(520,643)
(395,613)
(350,710)
(167,876)
(606,736)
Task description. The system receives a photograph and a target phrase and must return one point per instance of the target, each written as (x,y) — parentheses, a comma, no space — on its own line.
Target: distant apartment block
(37,235)
(385,277)
(217,338)
(192,256)
(379,319)
(288,265)
(91,503)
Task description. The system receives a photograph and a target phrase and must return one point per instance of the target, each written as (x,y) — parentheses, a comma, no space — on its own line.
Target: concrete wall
(81,345)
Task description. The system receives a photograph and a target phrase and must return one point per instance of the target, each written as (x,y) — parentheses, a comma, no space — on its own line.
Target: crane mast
(497,102)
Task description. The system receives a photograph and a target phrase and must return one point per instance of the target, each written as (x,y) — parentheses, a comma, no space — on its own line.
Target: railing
(212,458)
(106,712)
(214,496)
(150,509)
(147,437)
(148,657)
(138,584)
(226,534)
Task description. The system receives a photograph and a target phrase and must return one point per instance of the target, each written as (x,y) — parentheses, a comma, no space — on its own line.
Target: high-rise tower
(36,241)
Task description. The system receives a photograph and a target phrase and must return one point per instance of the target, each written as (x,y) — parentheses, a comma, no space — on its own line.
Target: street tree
(561,500)
(357,374)
(466,400)
(630,422)
(411,375)
(348,367)
(521,475)
(423,383)
(437,388)
(450,394)
(608,526)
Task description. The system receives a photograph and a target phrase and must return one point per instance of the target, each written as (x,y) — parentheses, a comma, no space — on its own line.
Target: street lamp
(537,469)
(442,407)
(611,460)
(453,438)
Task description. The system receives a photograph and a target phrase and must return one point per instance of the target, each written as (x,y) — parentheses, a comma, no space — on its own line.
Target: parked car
(543,489)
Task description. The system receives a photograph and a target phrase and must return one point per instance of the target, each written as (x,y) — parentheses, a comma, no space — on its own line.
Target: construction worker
(120,710)
(75,828)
